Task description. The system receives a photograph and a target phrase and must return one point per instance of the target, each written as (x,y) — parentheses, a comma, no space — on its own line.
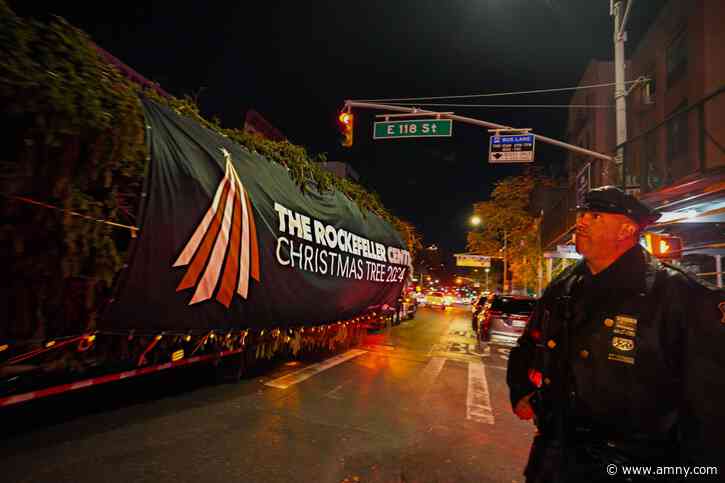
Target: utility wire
(566,106)
(493,94)
(133,229)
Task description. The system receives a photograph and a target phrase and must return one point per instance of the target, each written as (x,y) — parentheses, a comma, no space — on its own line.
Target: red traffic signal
(346,120)
(666,247)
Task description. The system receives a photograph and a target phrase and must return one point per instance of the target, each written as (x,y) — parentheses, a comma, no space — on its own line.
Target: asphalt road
(421,404)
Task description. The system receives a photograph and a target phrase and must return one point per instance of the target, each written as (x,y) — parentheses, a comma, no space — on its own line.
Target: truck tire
(230,369)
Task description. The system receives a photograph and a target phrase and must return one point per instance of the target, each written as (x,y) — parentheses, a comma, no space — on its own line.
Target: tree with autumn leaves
(508,213)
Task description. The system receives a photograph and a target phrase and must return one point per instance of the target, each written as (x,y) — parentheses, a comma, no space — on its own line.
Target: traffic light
(346,120)
(667,247)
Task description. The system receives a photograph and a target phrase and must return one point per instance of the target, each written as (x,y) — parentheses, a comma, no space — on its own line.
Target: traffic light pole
(475,122)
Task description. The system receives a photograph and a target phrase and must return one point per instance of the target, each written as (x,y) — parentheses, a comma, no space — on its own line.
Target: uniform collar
(627,272)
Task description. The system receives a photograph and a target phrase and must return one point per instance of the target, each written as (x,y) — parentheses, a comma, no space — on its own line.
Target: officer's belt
(583,435)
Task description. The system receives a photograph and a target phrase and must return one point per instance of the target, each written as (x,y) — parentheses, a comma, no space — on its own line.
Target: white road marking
(435,348)
(298,376)
(478,405)
(430,374)
(486,351)
(503,353)
(334,393)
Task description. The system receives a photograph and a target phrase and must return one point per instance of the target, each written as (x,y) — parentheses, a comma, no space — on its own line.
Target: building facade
(674,156)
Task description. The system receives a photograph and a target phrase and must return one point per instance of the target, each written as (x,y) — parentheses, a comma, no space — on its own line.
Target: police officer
(623,361)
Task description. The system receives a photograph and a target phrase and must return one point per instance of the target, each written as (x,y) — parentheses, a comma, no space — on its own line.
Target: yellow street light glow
(475,220)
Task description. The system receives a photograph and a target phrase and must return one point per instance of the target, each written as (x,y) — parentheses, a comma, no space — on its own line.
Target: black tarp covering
(228,240)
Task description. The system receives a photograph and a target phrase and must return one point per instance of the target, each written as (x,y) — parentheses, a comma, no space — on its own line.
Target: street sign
(511,149)
(413,128)
(566,249)
(567,255)
(465,260)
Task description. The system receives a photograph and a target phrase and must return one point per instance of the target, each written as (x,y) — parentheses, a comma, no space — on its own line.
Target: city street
(203,237)
(424,404)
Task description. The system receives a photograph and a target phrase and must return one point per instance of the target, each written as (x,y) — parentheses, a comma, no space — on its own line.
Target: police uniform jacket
(636,351)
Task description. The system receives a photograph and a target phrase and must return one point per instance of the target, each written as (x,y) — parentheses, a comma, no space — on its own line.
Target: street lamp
(487,270)
(476,221)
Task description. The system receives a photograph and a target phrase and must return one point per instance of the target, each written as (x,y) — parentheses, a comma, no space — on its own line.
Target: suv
(504,317)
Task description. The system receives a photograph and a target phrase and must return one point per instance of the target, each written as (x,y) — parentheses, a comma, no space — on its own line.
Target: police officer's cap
(611,199)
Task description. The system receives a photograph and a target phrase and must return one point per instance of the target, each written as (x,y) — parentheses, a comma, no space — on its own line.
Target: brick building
(675,151)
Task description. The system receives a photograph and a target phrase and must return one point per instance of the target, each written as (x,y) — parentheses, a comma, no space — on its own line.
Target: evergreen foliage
(75,140)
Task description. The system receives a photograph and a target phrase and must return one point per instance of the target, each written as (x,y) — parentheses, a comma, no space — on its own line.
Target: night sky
(297,62)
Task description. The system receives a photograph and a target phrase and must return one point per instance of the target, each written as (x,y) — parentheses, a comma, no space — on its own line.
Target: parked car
(478,303)
(437,299)
(467,299)
(504,318)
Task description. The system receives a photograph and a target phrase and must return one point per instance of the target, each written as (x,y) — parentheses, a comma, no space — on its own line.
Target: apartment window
(677,134)
(677,58)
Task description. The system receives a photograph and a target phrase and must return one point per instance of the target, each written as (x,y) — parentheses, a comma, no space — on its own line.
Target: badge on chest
(622,348)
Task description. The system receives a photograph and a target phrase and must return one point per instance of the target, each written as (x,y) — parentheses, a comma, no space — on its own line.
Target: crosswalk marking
(478,404)
(298,376)
(478,400)
(335,393)
(430,374)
